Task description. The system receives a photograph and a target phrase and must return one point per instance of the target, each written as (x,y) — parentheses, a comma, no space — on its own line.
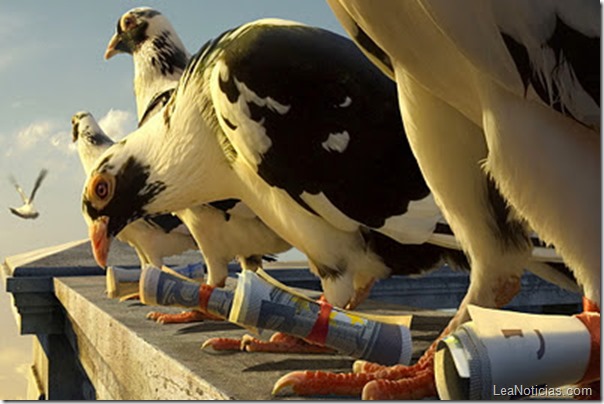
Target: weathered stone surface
(128,357)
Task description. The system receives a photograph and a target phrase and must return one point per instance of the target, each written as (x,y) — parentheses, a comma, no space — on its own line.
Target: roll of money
(501,354)
(160,288)
(123,281)
(261,305)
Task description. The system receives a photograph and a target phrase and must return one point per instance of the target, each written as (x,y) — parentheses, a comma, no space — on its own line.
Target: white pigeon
(496,95)
(153,238)
(27,210)
(223,229)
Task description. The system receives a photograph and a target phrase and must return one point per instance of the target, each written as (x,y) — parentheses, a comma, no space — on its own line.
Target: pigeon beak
(74,133)
(114,47)
(97,232)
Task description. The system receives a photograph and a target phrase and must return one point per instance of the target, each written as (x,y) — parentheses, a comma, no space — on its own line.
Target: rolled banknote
(262,305)
(123,281)
(258,304)
(160,288)
(501,354)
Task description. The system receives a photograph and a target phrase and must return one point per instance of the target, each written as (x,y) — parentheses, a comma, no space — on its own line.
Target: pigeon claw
(282,343)
(416,387)
(222,344)
(319,383)
(190,316)
(371,381)
(278,343)
(361,366)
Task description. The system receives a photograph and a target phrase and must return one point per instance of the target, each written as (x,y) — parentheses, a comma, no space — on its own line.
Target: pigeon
(28,210)
(159,54)
(322,157)
(223,229)
(152,237)
(287,186)
(501,102)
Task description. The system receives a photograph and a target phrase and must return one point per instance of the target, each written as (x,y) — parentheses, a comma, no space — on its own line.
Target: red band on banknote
(318,334)
(205,291)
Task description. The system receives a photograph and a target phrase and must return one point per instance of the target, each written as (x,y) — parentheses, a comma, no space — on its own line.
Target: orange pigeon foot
(190,316)
(279,343)
(372,381)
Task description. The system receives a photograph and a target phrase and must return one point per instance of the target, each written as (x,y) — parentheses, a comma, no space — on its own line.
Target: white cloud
(31,135)
(40,137)
(117,123)
(62,141)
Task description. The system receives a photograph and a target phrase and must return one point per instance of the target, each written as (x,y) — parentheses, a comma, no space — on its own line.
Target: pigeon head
(76,119)
(116,193)
(158,53)
(85,127)
(133,29)
(90,138)
(140,26)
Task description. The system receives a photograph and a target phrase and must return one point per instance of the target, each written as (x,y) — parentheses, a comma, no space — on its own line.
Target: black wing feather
(317,73)
(167,222)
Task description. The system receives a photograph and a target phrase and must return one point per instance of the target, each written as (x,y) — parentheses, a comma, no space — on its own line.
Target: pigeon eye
(128,23)
(102,189)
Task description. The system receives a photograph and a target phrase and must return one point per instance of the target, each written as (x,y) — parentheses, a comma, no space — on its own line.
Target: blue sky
(51,66)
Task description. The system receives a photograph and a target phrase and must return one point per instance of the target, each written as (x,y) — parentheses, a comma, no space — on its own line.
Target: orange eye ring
(100,190)
(128,23)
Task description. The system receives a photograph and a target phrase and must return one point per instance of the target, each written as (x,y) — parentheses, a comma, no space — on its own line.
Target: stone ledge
(128,357)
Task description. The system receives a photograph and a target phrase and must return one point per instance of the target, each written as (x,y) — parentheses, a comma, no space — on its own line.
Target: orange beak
(112,47)
(97,232)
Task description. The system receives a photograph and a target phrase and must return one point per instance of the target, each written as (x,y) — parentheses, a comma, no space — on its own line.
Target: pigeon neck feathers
(158,64)
(156,167)
(92,142)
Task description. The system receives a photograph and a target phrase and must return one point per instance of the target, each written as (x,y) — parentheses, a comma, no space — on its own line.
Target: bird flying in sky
(27,210)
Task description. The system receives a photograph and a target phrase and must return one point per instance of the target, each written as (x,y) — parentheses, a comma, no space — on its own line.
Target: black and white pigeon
(27,210)
(158,53)
(224,229)
(322,158)
(153,237)
(501,103)
(331,176)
